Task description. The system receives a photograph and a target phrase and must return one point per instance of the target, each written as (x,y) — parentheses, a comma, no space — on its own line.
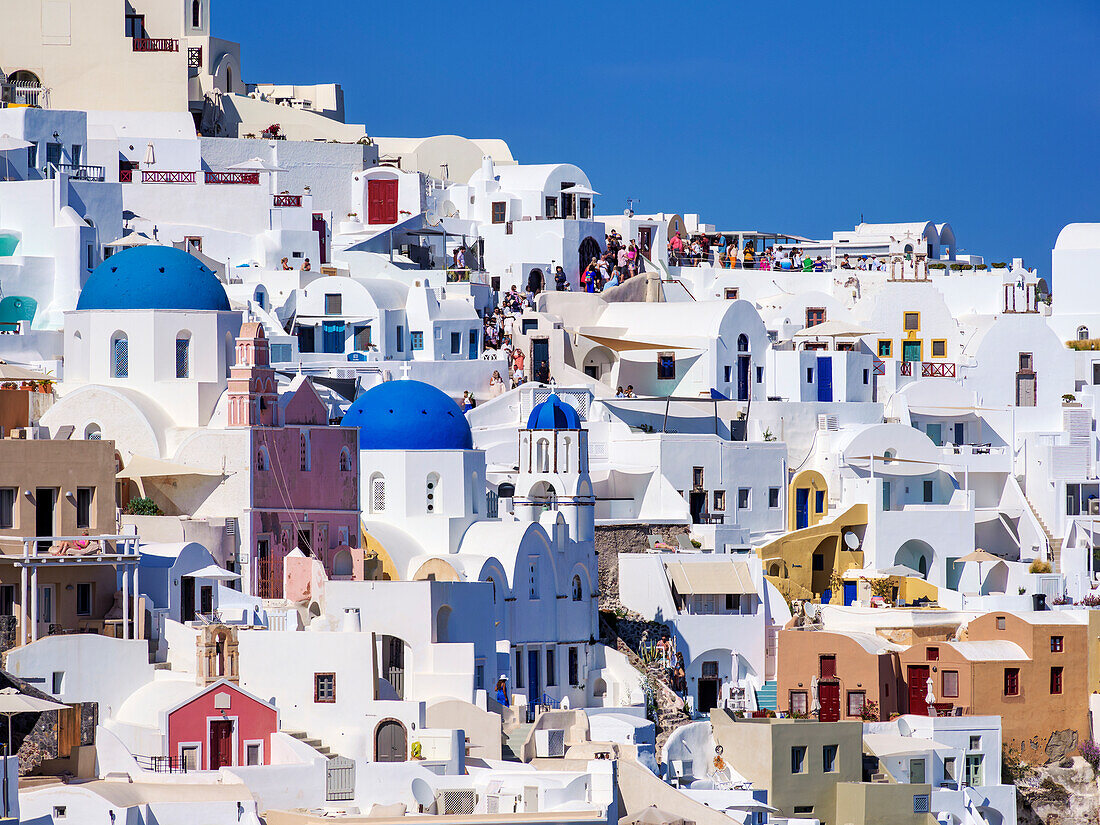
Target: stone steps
(313,742)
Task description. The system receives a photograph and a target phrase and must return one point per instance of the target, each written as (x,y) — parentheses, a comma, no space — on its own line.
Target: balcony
(928,369)
(167,177)
(287,200)
(249,178)
(76,171)
(154,44)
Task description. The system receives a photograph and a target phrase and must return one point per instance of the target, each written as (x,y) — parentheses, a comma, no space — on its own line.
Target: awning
(834,329)
(141,466)
(617,344)
(710,578)
(212,571)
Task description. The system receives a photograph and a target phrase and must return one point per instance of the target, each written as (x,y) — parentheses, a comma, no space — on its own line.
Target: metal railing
(162,764)
(167,177)
(287,200)
(928,369)
(125,175)
(76,171)
(251,178)
(194,57)
(26,93)
(155,44)
(723,261)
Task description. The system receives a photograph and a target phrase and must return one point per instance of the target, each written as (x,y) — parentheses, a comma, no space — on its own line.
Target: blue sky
(793,117)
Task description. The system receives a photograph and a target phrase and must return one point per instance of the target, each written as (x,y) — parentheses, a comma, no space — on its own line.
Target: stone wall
(613,539)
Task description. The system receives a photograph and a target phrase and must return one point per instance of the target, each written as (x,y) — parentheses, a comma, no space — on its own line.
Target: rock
(1060,745)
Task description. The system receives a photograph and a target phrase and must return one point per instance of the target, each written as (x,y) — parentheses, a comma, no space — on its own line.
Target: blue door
(534,686)
(849,593)
(802,508)
(824,378)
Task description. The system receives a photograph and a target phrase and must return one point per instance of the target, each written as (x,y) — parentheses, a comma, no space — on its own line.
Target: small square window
(719,500)
(939,349)
(800,702)
(1056,643)
(856,700)
(814,316)
(933,654)
(416,340)
(1000,622)
(666,366)
(744,498)
(324,688)
(773,498)
(798,759)
(975,743)
(731,293)
(885,348)
(1012,681)
(1056,680)
(60,812)
(950,684)
(911,321)
(828,758)
(499,212)
(334,304)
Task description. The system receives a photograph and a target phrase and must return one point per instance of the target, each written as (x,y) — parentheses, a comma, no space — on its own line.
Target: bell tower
(253,389)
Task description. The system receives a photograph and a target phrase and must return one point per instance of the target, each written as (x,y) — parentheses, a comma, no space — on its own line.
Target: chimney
(351,623)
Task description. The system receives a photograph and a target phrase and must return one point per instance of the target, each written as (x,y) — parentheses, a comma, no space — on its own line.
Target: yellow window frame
(942,341)
(905,315)
(889,347)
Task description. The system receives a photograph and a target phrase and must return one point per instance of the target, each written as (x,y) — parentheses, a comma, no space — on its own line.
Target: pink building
(221,726)
(305,472)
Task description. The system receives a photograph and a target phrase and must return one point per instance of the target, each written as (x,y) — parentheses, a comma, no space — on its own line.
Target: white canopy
(141,466)
(11,144)
(578,189)
(212,571)
(256,165)
(834,329)
(132,239)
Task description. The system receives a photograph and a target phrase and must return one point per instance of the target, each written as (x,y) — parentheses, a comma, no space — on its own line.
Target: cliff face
(1063,793)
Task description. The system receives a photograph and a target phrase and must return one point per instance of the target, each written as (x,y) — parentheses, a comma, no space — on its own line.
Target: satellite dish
(851,541)
(422,793)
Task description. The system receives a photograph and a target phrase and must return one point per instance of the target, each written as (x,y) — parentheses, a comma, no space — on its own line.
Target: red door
(828,696)
(382,201)
(221,744)
(321,229)
(918,689)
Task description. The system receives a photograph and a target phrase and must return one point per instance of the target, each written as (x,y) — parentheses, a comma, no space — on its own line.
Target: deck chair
(684,543)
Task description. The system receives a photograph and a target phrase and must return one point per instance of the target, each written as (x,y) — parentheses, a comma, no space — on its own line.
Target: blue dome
(408,415)
(553,414)
(153,277)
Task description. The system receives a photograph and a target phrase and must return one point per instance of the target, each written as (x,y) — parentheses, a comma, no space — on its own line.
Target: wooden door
(1025,389)
(187,599)
(708,695)
(389,742)
(744,365)
(221,744)
(918,689)
(828,696)
(321,228)
(910,350)
(801,508)
(381,201)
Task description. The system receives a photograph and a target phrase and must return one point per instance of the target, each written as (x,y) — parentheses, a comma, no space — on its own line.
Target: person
(675,249)
(819,264)
(517,359)
(613,280)
(460,258)
(502,691)
(78,547)
(517,377)
(631,259)
(621,258)
(808,263)
(602,273)
(534,282)
(588,277)
(286,263)
(306,267)
(561,283)
(468,402)
(749,254)
(720,252)
(845,263)
(619,393)
(496,384)
(630,391)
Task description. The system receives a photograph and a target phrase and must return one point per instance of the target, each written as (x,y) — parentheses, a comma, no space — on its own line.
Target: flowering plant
(1091,752)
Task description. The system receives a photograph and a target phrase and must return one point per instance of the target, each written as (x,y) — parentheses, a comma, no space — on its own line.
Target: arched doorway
(390,742)
(916,555)
(589,249)
(744,362)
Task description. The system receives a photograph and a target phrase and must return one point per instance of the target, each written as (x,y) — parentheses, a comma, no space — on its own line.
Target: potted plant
(1069,399)
(1000,265)
(143,507)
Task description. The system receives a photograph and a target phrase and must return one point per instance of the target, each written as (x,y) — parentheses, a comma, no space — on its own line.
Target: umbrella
(12,703)
(257,165)
(11,144)
(213,572)
(652,816)
(132,239)
(815,707)
(979,556)
(14,372)
(929,696)
(577,189)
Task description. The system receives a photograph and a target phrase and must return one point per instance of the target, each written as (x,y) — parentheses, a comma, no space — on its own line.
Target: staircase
(1054,544)
(305,739)
(766,697)
(514,738)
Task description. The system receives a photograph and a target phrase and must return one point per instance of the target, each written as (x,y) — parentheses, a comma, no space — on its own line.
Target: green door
(910,350)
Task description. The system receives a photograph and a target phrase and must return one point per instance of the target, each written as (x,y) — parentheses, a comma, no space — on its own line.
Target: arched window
(542,456)
(306,457)
(93,432)
(229,348)
(492,581)
(577,590)
(196,14)
(229,79)
(183,354)
(563,465)
(342,565)
(1082,333)
(742,343)
(345,460)
(431,492)
(120,355)
(262,461)
(260,297)
(377,493)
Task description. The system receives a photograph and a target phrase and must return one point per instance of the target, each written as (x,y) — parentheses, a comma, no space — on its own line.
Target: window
(262,463)
(334,304)
(7,599)
(800,702)
(519,668)
(939,348)
(759,375)
(949,769)
(60,812)
(254,753)
(574,666)
(183,355)
(120,356)
(456,343)
(90,261)
(500,213)
(192,244)
(1026,362)
(7,507)
(1056,680)
(1082,333)
(911,321)
(416,340)
(928,490)
(666,366)
(916,771)
(306,339)
(400,339)
(196,23)
(362,337)
(819,501)
(856,700)
(733,602)
(719,500)
(84,507)
(744,498)
(950,684)
(974,769)
(84,599)
(727,373)
(731,293)
(584,208)
(885,348)
(474,348)
(814,316)
(332,336)
(53,154)
(798,759)
(1000,622)
(533,577)
(1056,644)
(431,492)
(827,666)
(324,688)
(345,462)
(578,590)
(551,668)
(32,156)
(696,477)
(773,498)
(803,809)
(189,757)
(866,376)
(975,743)
(1012,681)
(828,758)
(551,207)
(305,452)
(809,375)
(922,803)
